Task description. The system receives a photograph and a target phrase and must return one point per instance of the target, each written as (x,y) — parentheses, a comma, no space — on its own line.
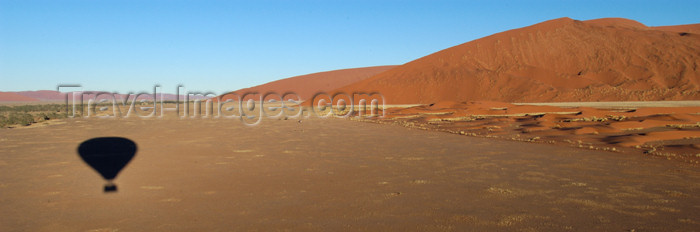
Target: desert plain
(332,174)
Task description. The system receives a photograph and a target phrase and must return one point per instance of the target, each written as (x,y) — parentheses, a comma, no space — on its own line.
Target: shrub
(28,114)
(17,118)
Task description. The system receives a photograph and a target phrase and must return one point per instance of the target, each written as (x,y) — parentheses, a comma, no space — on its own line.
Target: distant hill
(15,97)
(609,59)
(44,95)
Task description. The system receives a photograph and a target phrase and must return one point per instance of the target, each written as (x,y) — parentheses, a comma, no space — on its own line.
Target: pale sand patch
(152,187)
(172,199)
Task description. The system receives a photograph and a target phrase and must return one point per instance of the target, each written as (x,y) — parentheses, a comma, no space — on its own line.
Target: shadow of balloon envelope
(108,156)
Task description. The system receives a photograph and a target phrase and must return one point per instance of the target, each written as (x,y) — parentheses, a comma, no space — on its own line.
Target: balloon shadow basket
(110,187)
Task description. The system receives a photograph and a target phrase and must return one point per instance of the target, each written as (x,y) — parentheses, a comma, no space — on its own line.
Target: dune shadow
(108,156)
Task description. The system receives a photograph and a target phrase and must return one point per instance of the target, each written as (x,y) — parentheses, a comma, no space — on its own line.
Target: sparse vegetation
(24,115)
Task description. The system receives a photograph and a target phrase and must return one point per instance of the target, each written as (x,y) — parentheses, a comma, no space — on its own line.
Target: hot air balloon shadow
(107,155)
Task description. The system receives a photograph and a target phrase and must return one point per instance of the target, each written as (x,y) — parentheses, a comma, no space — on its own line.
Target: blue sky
(222,46)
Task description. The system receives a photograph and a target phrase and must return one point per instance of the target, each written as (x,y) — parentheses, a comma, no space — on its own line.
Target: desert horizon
(545,124)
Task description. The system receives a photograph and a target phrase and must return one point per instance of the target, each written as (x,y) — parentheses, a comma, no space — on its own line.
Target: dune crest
(688,28)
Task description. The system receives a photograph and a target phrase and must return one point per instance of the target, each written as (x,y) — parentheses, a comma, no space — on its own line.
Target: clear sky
(226,45)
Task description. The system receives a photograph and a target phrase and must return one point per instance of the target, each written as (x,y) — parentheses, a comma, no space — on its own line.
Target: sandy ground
(665,129)
(332,175)
(618,104)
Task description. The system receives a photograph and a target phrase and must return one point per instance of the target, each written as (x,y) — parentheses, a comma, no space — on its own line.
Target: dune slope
(308,85)
(609,59)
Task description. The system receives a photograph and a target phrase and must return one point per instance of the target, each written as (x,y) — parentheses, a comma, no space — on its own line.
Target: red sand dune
(12,97)
(609,59)
(308,85)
